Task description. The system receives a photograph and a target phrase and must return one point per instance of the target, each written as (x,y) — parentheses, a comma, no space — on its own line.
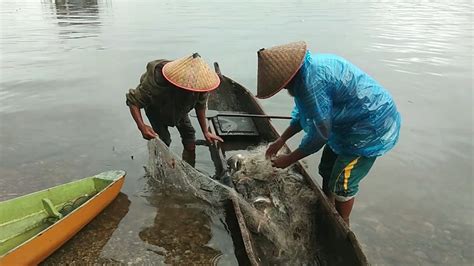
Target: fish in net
(277,205)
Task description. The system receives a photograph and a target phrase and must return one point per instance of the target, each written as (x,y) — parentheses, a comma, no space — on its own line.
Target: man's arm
(147,131)
(289,132)
(201,115)
(292,130)
(286,160)
(139,98)
(313,141)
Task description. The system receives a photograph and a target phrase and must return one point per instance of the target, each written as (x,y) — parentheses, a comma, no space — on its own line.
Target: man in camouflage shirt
(168,91)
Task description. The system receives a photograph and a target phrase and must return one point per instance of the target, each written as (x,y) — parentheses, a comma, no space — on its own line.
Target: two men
(338,106)
(168,91)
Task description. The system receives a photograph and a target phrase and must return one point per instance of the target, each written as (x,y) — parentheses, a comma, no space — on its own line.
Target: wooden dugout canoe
(337,244)
(33,226)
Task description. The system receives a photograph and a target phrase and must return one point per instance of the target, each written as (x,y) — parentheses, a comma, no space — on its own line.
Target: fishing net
(277,206)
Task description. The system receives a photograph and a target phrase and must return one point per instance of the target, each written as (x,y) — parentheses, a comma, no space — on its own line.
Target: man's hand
(148,132)
(282,161)
(210,137)
(274,148)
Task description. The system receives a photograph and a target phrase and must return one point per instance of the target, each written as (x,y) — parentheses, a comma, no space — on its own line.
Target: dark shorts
(184,126)
(342,173)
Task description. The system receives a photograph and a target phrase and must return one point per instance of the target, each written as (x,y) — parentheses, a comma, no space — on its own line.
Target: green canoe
(35,225)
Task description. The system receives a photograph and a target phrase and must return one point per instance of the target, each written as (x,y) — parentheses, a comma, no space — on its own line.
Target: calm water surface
(66,65)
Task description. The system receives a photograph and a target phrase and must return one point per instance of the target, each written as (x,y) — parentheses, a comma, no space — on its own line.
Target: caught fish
(235,162)
(261,202)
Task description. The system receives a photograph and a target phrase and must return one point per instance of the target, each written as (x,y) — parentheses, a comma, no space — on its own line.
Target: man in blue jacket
(338,106)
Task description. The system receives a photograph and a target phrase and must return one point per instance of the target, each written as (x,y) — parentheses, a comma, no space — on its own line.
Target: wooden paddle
(214,113)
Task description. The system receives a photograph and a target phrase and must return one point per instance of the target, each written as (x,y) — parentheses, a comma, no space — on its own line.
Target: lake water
(66,65)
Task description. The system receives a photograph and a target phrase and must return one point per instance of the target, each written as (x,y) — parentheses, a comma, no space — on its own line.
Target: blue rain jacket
(338,104)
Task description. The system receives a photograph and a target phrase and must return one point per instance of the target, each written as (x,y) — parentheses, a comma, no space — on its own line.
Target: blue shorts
(342,173)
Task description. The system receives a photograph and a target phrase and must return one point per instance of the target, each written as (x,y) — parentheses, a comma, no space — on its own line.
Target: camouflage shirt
(161,99)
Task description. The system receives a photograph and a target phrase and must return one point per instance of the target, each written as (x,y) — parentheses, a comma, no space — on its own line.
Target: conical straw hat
(191,73)
(277,66)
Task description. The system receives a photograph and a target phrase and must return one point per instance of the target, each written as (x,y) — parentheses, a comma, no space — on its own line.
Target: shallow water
(65,66)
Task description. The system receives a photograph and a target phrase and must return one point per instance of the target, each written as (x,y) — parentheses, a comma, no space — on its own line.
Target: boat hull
(337,243)
(39,247)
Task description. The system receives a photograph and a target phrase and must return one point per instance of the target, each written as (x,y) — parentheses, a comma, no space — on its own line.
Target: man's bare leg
(344,209)
(189,154)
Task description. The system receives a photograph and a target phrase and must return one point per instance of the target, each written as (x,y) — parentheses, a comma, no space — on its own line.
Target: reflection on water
(422,34)
(77,12)
(78,18)
(66,65)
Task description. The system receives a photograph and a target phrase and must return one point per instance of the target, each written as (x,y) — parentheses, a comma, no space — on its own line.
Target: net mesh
(277,205)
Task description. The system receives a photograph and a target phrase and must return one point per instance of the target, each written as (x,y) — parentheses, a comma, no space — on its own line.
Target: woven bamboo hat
(191,73)
(277,66)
